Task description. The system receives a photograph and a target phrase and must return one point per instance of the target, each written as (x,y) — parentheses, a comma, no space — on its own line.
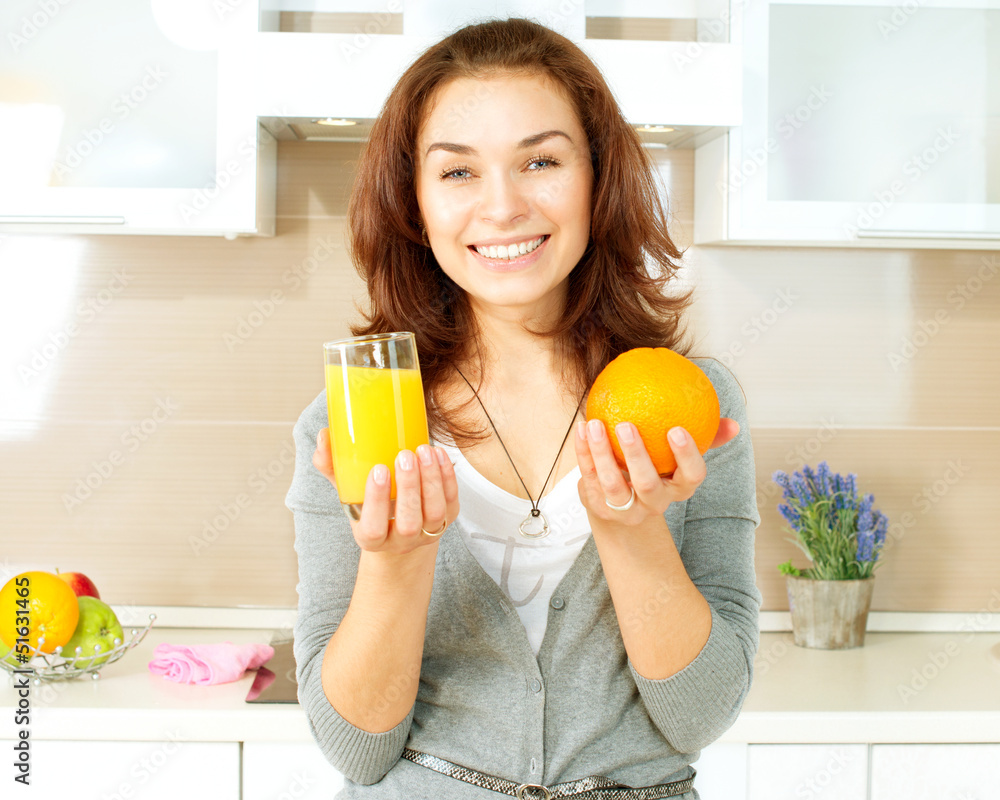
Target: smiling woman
(522,625)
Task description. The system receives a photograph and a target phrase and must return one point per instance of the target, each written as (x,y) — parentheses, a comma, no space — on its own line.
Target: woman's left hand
(603,480)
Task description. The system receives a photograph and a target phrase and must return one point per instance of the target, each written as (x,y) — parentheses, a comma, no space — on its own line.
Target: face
(503,183)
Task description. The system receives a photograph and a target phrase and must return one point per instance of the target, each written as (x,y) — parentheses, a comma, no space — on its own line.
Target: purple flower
(823,478)
(866,520)
(781,478)
(790,514)
(866,545)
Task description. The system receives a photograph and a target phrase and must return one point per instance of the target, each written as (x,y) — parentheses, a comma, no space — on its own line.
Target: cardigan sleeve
(696,705)
(328,564)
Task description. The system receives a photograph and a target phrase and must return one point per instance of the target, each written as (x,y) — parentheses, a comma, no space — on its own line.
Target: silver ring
(625,507)
(439,531)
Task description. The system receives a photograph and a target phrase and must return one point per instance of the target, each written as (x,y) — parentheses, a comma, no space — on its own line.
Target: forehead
(497,112)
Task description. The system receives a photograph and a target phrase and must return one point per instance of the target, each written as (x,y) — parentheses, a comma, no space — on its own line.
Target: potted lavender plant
(843,536)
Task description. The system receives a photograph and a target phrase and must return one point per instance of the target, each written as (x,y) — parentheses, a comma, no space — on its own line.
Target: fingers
(409,509)
(433,502)
(691,469)
(371,531)
(323,456)
(728,429)
(601,479)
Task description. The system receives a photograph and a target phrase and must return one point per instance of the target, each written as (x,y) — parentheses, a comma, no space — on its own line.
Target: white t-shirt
(526,570)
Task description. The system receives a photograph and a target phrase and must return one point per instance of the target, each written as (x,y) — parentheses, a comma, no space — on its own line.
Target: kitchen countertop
(899,687)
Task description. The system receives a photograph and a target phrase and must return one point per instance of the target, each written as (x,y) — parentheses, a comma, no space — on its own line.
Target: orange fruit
(655,389)
(49,604)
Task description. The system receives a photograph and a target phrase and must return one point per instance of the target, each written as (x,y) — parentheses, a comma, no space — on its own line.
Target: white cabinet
(864,124)
(722,772)
(288,769)
(163,770)
(935,771)
(120,117)
(829,771)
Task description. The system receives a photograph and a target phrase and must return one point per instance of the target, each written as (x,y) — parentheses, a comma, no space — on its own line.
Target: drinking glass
(375,403)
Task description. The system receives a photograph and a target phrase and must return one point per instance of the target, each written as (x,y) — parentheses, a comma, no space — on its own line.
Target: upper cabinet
(163,116)
(115,117)
(872,125)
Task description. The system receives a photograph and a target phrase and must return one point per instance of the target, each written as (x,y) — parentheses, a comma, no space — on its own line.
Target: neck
(512,358)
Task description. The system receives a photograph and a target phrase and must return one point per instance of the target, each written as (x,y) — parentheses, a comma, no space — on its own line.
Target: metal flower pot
(830,615)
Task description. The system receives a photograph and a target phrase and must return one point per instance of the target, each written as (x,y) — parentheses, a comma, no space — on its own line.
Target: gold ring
(439,531)
(625,507)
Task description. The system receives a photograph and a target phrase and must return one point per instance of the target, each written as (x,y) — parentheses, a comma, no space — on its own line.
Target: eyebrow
(524,144)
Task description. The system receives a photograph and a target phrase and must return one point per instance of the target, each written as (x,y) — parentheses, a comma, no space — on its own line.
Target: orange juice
(374,413)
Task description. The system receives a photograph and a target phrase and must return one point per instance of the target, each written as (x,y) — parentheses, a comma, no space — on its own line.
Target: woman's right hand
(426,498)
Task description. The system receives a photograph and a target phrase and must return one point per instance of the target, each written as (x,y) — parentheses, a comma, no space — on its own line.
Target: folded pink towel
(206,664)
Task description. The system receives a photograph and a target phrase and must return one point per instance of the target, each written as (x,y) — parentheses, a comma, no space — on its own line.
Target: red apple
(81,585)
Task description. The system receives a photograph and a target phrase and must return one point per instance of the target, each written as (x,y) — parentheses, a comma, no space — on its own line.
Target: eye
(451,174)
(552,162)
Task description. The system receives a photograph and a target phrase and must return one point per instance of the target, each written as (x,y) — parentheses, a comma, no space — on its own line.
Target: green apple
(95,633)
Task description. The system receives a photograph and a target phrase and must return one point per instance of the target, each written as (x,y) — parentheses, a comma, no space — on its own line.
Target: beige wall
(183,378)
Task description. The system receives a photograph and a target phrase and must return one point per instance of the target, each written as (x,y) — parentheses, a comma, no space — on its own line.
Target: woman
(536,622)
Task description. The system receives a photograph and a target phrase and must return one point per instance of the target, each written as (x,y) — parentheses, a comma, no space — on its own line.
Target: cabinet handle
(64,220)
(877,234)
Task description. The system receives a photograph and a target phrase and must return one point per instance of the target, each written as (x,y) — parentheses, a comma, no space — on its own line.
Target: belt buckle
(533,787)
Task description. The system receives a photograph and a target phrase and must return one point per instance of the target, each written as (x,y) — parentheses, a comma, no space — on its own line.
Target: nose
(502,201)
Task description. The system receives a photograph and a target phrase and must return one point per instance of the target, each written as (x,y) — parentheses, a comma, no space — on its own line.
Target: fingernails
(405,460)
(624,433)
(678,437)
(425,455)
(380,472)
(596,429)
(319,440)
(442,456)
(581,430)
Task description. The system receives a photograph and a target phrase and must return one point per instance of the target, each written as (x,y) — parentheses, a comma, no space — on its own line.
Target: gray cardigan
(484,700)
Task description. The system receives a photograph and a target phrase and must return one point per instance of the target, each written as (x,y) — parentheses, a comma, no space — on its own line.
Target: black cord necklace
(529,527)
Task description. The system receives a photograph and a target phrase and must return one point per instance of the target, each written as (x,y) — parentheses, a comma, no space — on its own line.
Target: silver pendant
(529,527)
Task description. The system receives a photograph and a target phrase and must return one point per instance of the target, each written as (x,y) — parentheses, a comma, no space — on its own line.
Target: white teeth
(509,251)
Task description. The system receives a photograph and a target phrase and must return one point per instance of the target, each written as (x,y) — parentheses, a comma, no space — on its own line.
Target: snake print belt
(595,787)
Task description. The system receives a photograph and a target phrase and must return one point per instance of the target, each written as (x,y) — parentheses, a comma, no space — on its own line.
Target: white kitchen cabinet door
(935,772)
(165,770)
(274,770)
(722,772)
(125,117)
(827,771)
(853,135)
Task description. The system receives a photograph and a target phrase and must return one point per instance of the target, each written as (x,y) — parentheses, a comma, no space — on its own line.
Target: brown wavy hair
(616,297)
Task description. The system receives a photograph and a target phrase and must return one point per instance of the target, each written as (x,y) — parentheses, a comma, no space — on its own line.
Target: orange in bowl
(655,389)
(38,604)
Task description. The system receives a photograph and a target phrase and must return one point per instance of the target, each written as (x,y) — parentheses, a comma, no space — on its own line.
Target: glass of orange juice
(375,403)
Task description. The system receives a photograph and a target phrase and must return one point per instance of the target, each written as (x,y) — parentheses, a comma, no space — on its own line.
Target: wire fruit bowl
(58,666)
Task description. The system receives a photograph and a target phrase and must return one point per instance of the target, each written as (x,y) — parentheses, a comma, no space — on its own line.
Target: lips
(511,264)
